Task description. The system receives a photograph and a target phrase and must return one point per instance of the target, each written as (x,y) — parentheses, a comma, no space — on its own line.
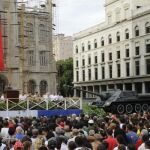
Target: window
(110,71)
(77,63)
(127,51)
(147,27)
(137,48)
(109,39)
(148,66)
(118,14)
(31,86)
(31,58)
(126,34)
(83,62)
(76,49)
(43,58)
(103,57)
(42,32)
(147,46)
(137,68)
(95,59)
(137,31)
(127,69)
(89,74)
(102,41)
(43,87)
(110,56)
(118,54)
(89,45)
(29,31)
(96,73)
(95,43)
(83,49)
(118,70)
(118,36)
(89,60)
(83,75)
(77,76)
(103,72)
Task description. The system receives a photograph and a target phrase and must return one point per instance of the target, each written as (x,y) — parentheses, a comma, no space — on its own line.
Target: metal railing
(42,104)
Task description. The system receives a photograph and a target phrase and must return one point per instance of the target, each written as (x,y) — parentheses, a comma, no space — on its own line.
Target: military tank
(120,102)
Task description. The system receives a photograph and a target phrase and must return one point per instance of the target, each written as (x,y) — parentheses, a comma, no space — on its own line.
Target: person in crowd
(112,143)
(4,130)
(132,137)
(19,133)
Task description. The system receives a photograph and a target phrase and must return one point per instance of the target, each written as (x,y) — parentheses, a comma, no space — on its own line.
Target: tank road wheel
(137,108)
(120,109)
(145,107)
(129,108)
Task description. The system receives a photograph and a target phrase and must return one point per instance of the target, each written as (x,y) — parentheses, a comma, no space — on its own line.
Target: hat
(90,121)
(18,144)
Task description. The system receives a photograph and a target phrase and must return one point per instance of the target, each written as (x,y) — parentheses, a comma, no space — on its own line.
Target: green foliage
(93,110)
(65,76)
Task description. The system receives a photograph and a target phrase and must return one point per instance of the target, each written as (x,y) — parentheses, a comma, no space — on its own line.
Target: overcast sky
(76,15)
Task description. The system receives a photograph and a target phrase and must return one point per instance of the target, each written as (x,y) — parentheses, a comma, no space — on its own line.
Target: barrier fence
(46,104)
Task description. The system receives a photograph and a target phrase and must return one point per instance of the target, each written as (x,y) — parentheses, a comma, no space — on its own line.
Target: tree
(65,76)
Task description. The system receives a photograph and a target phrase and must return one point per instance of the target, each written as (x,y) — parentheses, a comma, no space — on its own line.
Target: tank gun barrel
(93,93)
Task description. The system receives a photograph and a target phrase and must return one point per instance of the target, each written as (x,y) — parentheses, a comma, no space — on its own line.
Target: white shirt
(4,132)
(2,146)
(142,147)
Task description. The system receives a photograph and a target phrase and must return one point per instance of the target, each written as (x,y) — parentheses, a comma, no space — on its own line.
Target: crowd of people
(37,97)
(83,132)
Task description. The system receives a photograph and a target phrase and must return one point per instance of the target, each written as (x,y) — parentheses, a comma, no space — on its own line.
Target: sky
(73,16)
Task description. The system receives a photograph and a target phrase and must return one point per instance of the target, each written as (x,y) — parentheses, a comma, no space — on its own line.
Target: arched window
(102,41)
(89,45)
(29,30)
(147,27)
(109,39)
(127,34)
(43,87)
(32,87)
(137,32)
(95,43)
(118,36)
(42,32)
(76,49)
(83,47)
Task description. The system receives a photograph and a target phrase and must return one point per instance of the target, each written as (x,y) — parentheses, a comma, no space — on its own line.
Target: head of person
(147,144)
(109,132)
(129,127)
(120,140)
(19,130)
(101,146)
(121,147)
(79,141)
(52,143)
(43,148)
(131,147)
(11,131)
(27,145)
(18,146)
(71,145)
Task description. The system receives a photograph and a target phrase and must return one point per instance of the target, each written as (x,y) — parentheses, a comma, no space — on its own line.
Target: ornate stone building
(115,54)
(27,36)
(63,47)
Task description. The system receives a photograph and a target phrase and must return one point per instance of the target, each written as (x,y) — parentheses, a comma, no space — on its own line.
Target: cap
(90,121)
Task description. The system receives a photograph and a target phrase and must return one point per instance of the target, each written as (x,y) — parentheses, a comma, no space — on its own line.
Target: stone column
(124,87)
(133,86)
(143,87)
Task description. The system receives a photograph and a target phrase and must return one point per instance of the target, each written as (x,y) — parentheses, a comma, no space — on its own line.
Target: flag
(1,50)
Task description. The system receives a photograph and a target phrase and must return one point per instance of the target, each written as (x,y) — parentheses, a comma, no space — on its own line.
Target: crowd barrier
(48,107)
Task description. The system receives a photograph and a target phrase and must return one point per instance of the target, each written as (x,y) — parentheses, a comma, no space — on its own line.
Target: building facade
(115,54)
(62,47)
(28,55)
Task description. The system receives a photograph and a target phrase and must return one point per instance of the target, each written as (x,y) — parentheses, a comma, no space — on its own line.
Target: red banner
(1,50)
